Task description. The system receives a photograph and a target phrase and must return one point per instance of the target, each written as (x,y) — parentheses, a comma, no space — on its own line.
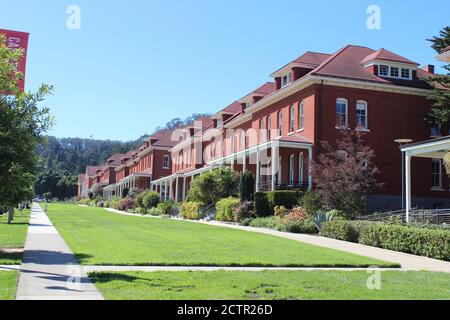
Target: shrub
(246,222)
(419,241)
(300,226)
(83,202)
(296,214)
(338,215)
(225,209)
(320,218)
(125,192)
(150,200)
(247,186)
(262,205)
(166,207)
(133,193)
(126,204)
(340,230)
(268,222)
(140,198)
(140,210)
(155,212)
(210,187)
(191,210)
(245,211)
(311,202)
(280,212)
(287,199)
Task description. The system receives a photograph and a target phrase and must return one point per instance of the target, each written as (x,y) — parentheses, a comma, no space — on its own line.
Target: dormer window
(383,71)
(285,80)
(394,72)
(406,73)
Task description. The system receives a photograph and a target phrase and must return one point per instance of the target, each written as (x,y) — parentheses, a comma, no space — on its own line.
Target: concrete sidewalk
(49,269)
(406,261)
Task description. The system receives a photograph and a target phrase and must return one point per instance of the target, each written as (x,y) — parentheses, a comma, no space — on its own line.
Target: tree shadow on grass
(10,257)
(106,277)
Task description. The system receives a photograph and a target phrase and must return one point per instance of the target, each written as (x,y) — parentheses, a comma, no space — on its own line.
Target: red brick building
(276,130)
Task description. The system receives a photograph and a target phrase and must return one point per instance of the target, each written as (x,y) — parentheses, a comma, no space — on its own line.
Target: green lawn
(13,236)
(270,285)
(8,284)
(98,237)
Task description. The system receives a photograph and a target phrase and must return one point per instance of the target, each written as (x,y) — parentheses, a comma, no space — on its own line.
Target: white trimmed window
(285,80)
(341,113)
(300,167)
(406,73)
(280,123)
(383,71)
(301,116)
(291,169)
(262,129)
(394,72)
(437,174)
(292,120)
(361,115)
(269,128)
(166,162)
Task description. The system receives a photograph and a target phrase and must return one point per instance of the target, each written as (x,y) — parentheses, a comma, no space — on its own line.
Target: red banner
(16,40)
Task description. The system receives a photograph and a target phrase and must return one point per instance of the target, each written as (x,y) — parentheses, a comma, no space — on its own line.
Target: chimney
(429,68)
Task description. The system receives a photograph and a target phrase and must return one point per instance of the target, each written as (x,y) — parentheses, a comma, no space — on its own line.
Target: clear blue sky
(134,65)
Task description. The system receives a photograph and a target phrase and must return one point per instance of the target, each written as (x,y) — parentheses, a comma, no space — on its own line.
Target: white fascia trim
(428,147)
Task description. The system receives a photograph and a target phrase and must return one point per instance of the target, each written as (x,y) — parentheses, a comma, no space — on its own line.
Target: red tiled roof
(266,88)
(295,138)
(164,139)
(387,55)
(312,59)
(233,108)
(115,159)
(92,170)
(346,63)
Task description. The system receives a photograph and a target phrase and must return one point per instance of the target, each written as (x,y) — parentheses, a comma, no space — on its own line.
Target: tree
(247,186)
(22,128)
(212,186)
(345,175)
(440,96)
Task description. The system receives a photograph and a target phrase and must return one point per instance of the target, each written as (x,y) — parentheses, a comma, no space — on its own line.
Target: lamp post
(401,143)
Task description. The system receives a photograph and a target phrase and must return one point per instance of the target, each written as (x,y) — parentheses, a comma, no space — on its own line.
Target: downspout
(317,142)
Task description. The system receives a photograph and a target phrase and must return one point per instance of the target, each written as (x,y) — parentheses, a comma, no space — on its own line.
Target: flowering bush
(246,210)
(281,212)
(296,214)
(126,204)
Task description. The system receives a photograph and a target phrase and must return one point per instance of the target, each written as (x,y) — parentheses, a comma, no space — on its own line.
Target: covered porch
(291,169)
(435,149)
(141,181)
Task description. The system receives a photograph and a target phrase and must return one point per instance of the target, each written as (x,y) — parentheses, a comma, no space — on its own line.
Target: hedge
(265,202)
(340,230)
(225,208)
(191,210)
(419,241)
(262,205)
(427,242)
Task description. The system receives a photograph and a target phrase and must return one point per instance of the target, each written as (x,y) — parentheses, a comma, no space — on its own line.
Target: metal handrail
(433,216)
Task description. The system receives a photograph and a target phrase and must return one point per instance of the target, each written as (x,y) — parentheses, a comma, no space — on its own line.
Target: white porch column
(184,188)
(165,190)
(160,189)
(244,164)
(258,173)
(408,185)
(274,164)
(176,190)
(310,177)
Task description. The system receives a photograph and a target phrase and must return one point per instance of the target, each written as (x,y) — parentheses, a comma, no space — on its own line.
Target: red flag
(16,40)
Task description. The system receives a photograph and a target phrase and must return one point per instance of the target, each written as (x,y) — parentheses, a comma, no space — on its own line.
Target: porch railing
(267,186)
(432,216)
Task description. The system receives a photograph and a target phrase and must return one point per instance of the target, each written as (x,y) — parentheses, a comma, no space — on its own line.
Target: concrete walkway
(49,269)
(407,261)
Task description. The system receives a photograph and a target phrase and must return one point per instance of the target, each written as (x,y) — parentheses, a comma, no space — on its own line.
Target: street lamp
(402,142)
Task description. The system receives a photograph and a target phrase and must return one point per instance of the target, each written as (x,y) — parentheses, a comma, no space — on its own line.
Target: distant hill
(72,155)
